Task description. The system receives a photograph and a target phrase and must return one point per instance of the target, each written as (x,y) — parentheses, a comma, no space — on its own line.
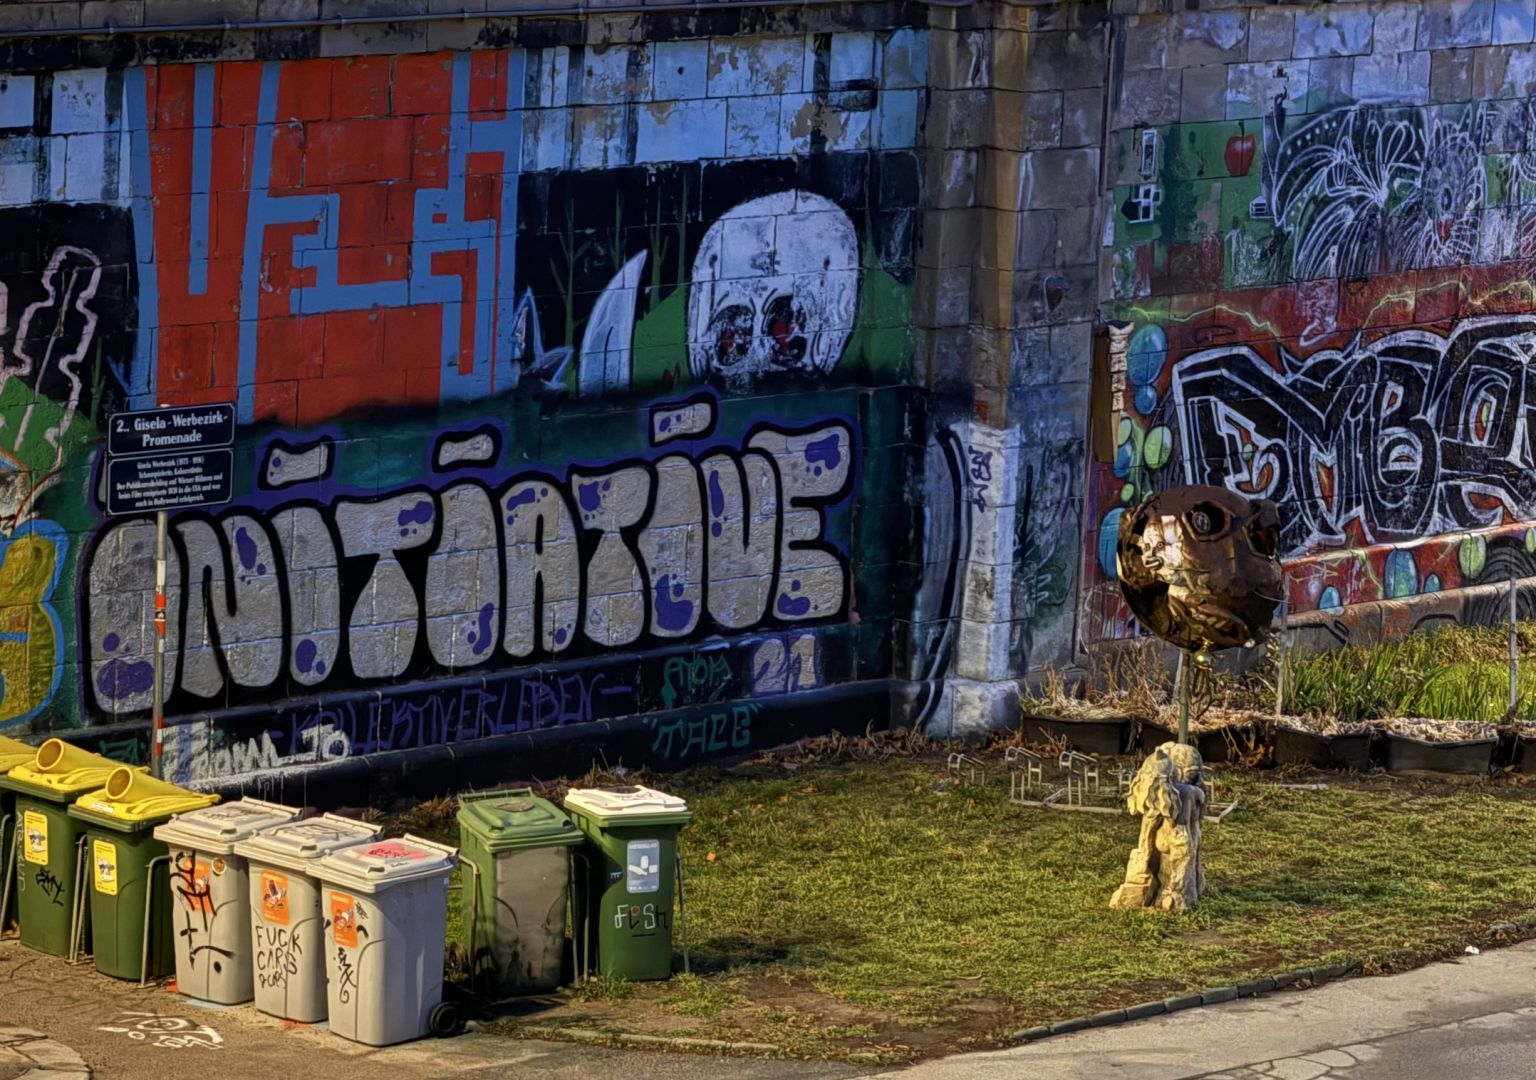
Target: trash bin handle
(476,796)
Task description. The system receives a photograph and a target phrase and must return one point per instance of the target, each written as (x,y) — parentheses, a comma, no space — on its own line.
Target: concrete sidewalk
(1470,1019)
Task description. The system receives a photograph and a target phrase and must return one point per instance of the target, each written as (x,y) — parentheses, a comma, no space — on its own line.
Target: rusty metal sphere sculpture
(1200,566)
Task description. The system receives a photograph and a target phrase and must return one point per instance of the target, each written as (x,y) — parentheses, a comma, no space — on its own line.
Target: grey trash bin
(210,896)
(287,923)
(386,913)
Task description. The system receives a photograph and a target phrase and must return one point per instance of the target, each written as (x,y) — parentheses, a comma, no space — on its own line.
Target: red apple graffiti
(1239,155)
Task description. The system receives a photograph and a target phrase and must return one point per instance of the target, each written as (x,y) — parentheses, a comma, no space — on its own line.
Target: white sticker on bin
(643,859)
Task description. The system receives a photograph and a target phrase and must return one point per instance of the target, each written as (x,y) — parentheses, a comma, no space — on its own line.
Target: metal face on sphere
(1199,566)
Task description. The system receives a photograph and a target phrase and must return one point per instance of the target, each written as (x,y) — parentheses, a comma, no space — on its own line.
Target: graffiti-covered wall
(569,379)
(656,384)
(1321,259)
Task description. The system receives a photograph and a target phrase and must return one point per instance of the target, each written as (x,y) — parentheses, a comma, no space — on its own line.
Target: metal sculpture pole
(1514,649)
(1186,665)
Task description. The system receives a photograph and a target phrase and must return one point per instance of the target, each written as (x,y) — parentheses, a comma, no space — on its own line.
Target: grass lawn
(865,905)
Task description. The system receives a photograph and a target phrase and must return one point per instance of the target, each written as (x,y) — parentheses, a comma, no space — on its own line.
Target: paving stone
(51,1054)
(1361,1052)
(1297,1069)
(1334,1059)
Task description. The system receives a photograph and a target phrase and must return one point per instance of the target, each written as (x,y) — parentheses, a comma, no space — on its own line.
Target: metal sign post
(160,460)
(156,764)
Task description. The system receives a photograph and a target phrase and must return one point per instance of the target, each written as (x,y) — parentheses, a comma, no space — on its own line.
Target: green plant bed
(1296,746)
(1106,737)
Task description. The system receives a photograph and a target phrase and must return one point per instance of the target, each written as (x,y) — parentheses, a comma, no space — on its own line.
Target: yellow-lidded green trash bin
(632,877)
(13,752)
(46,862)
(131,913)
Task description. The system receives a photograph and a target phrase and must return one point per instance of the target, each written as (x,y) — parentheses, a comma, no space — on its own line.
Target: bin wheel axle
(443,1020)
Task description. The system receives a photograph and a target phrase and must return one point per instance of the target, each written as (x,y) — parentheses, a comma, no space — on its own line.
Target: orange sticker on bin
(274,898)
(344,920)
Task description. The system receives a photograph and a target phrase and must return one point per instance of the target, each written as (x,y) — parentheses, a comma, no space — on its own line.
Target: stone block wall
(652,384)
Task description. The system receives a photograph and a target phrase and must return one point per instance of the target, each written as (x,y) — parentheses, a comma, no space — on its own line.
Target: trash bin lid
(515,819)
(371,868)
(215,829)
(131,801)
(58,771)
(296,845)
(628,804)
(14,752)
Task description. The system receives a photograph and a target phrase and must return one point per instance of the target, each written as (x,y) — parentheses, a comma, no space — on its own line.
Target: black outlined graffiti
(52,887)
(1410,435)
(421,581)
(278,953)
(192,884)
(1369,189)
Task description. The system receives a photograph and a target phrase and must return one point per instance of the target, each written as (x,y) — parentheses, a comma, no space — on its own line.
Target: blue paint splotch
(110,643)
(716,502)
(522,498)
(672,612)
(590,498)
(825,451)
(304,656)
(480,637)
(124,678)
(420,514)
(245,547)
(560,636)
(794,606)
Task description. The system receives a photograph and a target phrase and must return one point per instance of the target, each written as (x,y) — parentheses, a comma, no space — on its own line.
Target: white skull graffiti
(775,287)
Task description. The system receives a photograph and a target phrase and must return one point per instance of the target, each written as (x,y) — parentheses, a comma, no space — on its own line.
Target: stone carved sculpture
(1164,871)
(1199,566)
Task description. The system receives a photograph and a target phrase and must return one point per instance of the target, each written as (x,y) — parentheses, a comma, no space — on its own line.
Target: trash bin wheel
(444,1019)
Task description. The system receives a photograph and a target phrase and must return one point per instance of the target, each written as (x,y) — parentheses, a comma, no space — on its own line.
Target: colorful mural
(1317,310)
(559,372)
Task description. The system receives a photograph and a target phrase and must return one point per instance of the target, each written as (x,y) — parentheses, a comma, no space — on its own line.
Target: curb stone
(49,1058)
(586,1035)
(1299,978)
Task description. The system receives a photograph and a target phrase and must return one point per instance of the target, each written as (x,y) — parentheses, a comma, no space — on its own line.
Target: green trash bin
(130,893)
(625,908)
(514,847)
(12,753)
(46,861)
